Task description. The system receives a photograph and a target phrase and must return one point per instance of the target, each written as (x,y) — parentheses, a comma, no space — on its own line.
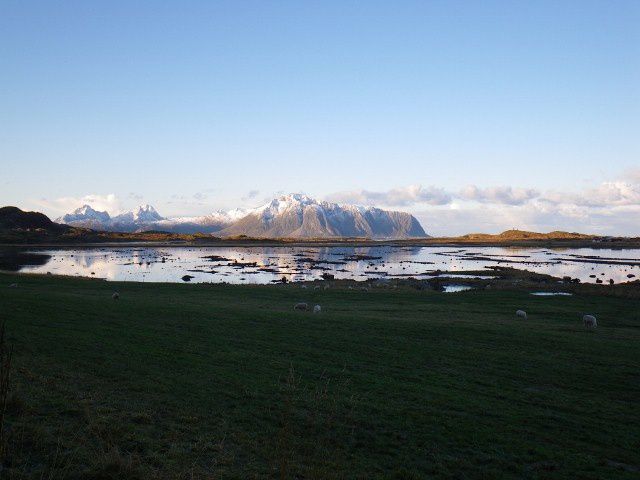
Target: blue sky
(194,106)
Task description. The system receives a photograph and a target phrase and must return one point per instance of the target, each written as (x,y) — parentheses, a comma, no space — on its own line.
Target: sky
(473,116)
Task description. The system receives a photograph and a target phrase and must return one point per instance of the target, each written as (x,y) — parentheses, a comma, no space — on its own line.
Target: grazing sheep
(115,296)
(365,289)
(317,309)
(13,285)
(350,287)
(589,321)
(522,314)
(304,286)
(301,306)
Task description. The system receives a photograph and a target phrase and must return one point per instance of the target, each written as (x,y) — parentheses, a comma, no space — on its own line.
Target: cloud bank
(110,203)
(397,197)
(611,207)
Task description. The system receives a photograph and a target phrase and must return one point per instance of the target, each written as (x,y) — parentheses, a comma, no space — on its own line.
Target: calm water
(268,264)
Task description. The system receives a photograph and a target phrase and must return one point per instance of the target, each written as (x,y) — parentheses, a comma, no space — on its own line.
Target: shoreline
(432,242)
(502,279)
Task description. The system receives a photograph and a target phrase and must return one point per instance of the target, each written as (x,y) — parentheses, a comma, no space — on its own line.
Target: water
(552,294)
(268,264)
(456,288)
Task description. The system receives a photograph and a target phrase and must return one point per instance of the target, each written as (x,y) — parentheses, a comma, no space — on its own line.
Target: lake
(264,265)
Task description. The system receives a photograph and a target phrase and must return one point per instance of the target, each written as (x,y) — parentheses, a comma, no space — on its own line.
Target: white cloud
(110,203)
(609,208)
(199,196)
(499,195)
(612,193)
(251,194)
(136,196)
(399,197)
(417,194)
(534,216)
(607,194)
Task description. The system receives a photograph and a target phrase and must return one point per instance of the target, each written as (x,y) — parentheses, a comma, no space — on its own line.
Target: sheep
(115,296)
(522,314)
(317,287)
(317,309)
(301,306)
(304,287)
(13,285)
(589,321)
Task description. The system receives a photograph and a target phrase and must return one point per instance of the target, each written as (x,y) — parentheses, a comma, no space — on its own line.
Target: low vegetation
(220,381)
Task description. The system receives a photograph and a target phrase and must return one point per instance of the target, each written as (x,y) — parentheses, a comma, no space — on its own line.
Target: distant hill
(524,235)
(14,219)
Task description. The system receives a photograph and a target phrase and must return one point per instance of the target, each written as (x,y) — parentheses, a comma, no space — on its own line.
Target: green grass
(218,381)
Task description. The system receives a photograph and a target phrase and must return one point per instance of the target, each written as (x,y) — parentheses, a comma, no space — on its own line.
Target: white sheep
(589,321)
(304,286)
(301,306)
(115,296)
(521,314)
(317,309)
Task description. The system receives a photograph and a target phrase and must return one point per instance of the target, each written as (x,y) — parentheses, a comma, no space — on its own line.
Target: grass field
(204,381)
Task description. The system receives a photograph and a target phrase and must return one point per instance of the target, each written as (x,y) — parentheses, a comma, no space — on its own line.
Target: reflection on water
(270,264)
(13,260)
(455,288)
(552,294)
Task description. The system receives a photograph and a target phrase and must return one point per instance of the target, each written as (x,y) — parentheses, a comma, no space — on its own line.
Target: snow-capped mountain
(144,214)
(146,218)
(211,223)
(84,213)
(299,216)
(292,216)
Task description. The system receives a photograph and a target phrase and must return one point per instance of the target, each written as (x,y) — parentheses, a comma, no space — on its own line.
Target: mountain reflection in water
(302,263)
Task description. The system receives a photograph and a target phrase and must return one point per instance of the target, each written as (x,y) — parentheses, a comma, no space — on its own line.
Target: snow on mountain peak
(283,203)
(83,210)
(84,213)
(146,213)
(290,215)
(233,214)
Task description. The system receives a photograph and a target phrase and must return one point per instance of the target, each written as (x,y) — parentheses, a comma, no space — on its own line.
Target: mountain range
(291,216)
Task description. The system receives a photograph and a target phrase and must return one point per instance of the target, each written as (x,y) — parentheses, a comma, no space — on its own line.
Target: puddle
(552,294)
(455,288)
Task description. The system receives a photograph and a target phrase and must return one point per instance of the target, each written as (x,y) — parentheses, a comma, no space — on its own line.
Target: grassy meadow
(219,381)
